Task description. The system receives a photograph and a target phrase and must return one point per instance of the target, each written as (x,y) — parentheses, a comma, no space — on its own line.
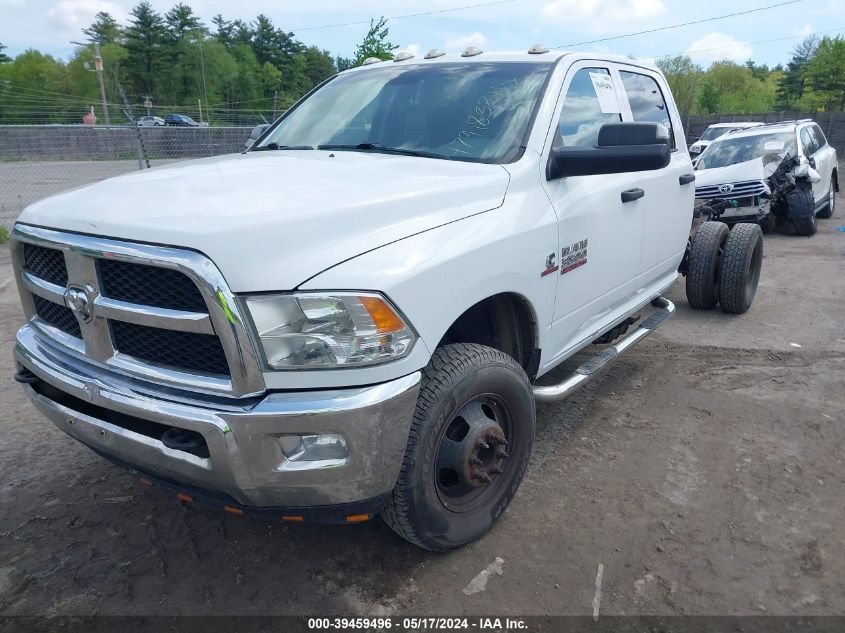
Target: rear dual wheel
(724,266)
(469,446)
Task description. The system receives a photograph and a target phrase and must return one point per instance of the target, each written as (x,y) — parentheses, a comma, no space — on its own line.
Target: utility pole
(98,66)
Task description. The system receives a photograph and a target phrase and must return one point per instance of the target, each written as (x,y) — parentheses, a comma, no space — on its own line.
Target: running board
(590,368)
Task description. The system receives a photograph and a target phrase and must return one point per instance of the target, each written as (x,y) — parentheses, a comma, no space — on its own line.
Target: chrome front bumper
(245,461)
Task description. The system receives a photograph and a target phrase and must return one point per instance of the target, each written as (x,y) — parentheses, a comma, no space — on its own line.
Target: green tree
(225,29)
(105,29)
(792,85)
(181,21)
(144,42)
(375,43)
(684,79)
(3,57)
(825,74)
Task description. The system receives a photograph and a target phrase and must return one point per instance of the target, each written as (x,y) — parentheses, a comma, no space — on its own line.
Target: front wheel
(469,446)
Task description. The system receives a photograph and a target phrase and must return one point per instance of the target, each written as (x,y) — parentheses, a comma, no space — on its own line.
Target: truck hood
(270,220)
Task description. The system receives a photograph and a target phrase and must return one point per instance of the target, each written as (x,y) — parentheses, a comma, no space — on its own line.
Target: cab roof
(473,55)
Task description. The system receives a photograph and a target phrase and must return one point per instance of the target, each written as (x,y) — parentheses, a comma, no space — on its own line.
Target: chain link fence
(37,161)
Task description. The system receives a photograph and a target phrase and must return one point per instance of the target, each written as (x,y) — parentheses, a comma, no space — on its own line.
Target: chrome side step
(589,368)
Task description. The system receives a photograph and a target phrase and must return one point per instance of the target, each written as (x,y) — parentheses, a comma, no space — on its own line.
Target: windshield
(738,149)
(712,133)
(476,112)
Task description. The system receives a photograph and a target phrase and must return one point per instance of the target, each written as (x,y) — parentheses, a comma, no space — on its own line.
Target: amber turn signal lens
(231,510)
(293,519)
(146,482)
(357,518)
(183,497)
(383,316)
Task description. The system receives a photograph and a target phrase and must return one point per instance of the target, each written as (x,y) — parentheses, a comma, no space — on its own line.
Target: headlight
(323,331)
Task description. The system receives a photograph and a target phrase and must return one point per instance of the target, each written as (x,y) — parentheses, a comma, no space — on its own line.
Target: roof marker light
(538,49)
(370,60)
(434,53)
(401,57)
(471,51)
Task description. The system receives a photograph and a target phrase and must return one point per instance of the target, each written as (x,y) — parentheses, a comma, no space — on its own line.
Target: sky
(50,25)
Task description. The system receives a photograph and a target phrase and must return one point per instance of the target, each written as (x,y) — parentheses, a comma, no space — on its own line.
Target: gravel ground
(704,472)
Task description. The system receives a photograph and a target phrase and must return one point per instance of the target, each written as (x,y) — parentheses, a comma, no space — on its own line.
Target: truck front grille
(46,263)
(183,350)
(730,191)
(145,285)
(158,313)
(58,316)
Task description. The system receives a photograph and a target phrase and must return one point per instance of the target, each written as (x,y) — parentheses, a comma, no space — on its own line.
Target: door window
(584,112)
(821,141)
(808,143)
(647,102)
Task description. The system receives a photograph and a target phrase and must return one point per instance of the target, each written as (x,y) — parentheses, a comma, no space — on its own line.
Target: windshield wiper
(382,149)
(274,145)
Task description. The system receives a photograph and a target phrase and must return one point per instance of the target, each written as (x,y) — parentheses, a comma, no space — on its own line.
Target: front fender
(435,276)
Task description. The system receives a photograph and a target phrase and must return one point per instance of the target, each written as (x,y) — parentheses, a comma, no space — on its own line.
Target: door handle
(632,194)
(686,179)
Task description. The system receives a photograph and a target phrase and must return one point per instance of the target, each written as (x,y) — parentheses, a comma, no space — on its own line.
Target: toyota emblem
(726,188)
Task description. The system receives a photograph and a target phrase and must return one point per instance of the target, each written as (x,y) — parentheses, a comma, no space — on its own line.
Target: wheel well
(504,322)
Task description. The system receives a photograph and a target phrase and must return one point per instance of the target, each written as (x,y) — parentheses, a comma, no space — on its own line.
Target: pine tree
(104,30)
(144,39)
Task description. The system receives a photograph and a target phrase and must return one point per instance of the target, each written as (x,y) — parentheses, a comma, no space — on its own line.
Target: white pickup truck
(350,318)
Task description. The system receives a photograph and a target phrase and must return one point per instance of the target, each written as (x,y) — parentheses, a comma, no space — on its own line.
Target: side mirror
(621,147)
(257,131)
(812,162)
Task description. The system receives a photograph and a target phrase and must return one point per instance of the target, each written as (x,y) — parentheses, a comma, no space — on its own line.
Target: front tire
(469,446)
(805,226)
(739,274)
(703,268)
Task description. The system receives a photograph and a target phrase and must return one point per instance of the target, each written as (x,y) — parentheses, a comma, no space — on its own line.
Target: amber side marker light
(293,519)
(183,497)
(146,482)
(357,518)
(386,320)
(231,510)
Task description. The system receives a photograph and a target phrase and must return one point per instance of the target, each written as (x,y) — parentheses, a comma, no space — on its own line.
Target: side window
(647,102)
(821,141)
(584,110)
(808,144)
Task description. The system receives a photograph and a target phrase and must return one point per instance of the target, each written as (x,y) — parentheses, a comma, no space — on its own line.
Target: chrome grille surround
(81,253)
(744,189)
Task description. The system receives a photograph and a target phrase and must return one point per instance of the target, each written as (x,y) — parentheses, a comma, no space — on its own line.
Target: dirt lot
(704,472)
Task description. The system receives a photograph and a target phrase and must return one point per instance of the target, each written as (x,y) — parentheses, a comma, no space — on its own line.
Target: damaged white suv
(780,173)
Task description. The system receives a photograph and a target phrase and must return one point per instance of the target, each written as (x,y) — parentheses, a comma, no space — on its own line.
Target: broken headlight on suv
(328,330)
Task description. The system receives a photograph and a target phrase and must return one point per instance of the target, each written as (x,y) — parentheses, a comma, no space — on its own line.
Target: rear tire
(739,274)
(805,226)
(703,267)
(827,212)
(468,392)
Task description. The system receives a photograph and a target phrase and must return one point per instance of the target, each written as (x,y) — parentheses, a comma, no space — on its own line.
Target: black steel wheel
(469,446)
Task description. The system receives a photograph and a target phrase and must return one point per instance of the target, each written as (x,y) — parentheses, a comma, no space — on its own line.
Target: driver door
(600,236)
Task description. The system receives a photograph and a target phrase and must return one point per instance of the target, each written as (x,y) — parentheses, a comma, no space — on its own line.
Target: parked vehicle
(180,120)
(718,130)
(744,176)
(150,121)
(353,317)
